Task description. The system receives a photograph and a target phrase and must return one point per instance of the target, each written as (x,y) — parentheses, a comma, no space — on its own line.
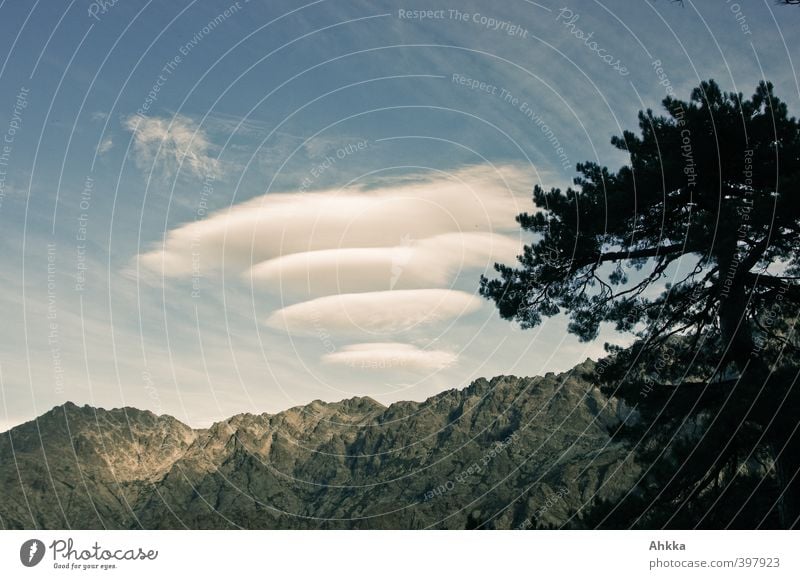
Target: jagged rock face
(506,453)
(84,467)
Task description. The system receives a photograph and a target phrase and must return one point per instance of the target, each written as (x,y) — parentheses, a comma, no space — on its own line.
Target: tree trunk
(735,330)
(737,338)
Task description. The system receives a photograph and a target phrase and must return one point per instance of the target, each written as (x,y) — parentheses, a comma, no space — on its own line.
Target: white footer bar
(389,554)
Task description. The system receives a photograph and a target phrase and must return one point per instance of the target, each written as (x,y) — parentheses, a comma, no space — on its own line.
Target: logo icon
(31,553)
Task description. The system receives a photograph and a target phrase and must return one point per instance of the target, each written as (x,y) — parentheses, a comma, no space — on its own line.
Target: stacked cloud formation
(373,266)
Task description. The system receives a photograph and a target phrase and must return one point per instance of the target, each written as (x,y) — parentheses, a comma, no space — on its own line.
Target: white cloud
(172,143)
(379,313)
(390,356)
(105,146)
(372,262)
(430,262)
(477,199)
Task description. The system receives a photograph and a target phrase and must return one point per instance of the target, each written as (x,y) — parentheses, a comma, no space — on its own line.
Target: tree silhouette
(713,184)
(693,247)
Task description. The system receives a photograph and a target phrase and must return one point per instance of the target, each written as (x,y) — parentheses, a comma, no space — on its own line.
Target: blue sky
(219,207)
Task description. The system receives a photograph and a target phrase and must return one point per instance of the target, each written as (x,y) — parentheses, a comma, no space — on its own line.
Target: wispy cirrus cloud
(171,144)
(105,146)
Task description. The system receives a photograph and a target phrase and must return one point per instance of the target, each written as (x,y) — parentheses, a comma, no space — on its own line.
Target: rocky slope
(505,453)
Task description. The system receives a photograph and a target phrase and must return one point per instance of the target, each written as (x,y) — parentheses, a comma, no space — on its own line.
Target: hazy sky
(219,207)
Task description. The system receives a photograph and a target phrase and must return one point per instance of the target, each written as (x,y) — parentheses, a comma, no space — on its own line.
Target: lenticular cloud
(473,200)
(390,356)
(379,313)
(377,263)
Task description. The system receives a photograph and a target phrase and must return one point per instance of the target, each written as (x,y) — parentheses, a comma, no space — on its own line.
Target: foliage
(712,183)
(693,248)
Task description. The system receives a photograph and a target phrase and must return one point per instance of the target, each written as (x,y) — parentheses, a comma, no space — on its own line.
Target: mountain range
(503,453)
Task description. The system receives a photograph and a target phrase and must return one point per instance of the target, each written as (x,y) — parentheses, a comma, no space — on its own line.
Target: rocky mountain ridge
(502,453)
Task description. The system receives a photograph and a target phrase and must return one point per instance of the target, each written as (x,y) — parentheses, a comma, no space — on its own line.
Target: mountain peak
(345,464)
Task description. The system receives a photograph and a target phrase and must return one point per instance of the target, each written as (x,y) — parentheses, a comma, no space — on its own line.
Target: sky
(217,207)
